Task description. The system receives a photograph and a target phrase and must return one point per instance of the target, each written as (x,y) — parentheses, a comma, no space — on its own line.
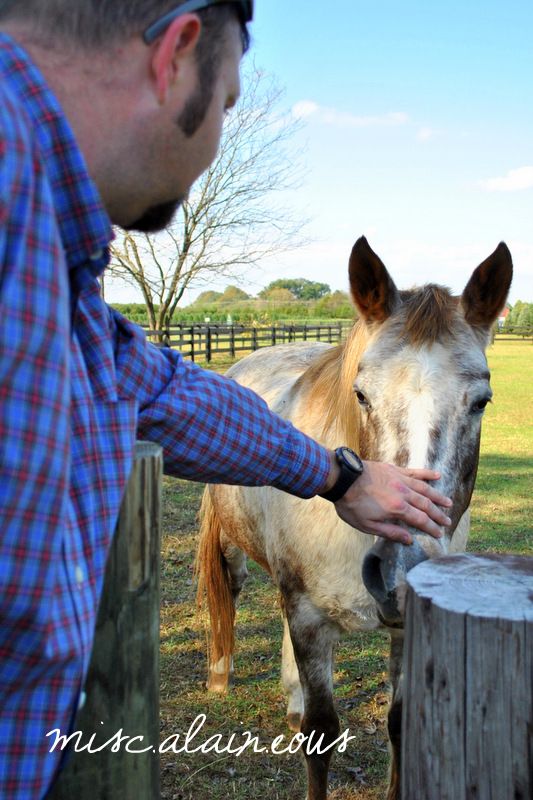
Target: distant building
(503,316)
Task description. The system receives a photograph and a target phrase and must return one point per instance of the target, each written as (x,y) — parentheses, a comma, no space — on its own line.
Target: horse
(409,387)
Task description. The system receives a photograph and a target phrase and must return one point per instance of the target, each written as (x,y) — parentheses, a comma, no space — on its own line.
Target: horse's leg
(395,714)
(235,563)
(313,640)
(290,678)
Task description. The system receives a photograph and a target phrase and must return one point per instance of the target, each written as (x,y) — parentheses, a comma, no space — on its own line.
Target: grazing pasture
(502,511)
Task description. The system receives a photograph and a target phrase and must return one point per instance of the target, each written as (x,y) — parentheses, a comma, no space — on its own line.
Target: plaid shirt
(78,385)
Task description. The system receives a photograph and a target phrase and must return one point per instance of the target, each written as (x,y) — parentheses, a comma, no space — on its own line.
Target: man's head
(209,35)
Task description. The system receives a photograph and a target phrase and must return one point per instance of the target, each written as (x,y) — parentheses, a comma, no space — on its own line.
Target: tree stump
(468,679)
(122,686)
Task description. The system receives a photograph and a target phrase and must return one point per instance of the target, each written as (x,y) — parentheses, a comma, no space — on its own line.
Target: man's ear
(176,43)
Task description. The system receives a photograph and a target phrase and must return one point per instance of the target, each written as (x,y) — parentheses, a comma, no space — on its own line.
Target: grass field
(502,522)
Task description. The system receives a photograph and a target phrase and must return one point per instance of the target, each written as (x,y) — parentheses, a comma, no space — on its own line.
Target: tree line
(520,317)
(285,300)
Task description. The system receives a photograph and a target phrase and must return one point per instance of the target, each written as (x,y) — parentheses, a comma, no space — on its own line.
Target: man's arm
(214,430)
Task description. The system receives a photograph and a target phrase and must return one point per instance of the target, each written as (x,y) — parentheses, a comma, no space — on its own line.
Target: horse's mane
(425,316)
(331,378)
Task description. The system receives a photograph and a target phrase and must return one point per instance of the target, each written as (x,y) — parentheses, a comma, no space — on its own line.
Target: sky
(417,132)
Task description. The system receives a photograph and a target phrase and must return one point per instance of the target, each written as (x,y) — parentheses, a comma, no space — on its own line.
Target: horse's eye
(361,399)
(479,406)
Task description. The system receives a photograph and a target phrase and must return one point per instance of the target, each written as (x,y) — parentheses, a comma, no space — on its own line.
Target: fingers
(418,483)
(425,505)
(416,518)
(394,533)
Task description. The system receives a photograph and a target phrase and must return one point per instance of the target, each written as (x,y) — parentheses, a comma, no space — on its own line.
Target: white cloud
(344,119)
(516,180)
(425,134)
(304,108)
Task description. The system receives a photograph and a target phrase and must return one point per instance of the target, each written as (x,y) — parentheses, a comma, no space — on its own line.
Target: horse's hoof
(294,721)
(217,683)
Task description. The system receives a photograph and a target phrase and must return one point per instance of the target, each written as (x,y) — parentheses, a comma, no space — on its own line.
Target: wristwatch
(351,468)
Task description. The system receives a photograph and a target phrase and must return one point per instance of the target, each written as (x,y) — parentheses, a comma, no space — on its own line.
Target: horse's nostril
(373,577)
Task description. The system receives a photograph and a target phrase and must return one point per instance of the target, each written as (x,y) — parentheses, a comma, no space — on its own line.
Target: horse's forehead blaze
(417,393)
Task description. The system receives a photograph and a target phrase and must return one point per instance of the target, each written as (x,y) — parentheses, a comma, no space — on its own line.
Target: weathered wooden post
(468,671)
(122,687)
(208,353)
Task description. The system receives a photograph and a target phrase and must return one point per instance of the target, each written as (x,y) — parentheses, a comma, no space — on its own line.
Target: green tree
(525,317)
(232,294)
(278,294)
(301,288)
(510,322)
(337,305)
(206,298)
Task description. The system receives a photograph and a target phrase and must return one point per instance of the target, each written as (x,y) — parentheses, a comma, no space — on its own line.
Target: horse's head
(422,386)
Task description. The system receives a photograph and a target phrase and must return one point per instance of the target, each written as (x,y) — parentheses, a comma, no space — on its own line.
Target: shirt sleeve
(211,428)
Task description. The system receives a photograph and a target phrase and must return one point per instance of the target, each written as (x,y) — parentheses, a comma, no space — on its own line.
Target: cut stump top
(481,585)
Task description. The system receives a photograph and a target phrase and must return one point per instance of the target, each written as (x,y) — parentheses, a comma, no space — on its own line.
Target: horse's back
(272,371)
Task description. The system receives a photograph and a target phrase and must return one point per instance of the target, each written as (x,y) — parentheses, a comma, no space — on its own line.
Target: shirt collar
(84,224)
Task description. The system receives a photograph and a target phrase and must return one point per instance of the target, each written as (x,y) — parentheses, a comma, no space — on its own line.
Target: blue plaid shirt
(78,385)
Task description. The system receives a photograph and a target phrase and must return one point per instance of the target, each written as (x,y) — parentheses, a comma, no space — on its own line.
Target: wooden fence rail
(203,340)
(515,335)
(468,679)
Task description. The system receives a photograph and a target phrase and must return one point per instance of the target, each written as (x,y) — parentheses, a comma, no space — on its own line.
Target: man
(109,111)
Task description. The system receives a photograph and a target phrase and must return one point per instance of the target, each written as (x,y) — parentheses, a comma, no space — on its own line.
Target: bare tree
(233,217)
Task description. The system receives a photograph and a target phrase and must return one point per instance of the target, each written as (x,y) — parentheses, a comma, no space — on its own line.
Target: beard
(156,218)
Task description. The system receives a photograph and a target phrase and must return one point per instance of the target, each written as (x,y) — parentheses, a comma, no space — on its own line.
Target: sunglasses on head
(245,9)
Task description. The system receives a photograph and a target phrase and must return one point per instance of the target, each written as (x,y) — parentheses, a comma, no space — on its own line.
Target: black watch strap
(351,468)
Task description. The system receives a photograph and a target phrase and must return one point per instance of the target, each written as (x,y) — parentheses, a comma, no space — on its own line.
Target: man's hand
(384,497)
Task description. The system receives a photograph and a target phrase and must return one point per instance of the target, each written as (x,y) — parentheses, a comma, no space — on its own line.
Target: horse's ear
(486,291)
(373,289)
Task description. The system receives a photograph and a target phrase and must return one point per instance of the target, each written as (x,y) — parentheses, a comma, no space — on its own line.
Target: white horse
(408,387)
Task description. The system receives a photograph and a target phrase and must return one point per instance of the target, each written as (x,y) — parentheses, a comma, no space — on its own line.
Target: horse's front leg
(313,640)
(395,714)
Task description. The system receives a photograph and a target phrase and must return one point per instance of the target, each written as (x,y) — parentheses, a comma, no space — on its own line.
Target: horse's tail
(214,584)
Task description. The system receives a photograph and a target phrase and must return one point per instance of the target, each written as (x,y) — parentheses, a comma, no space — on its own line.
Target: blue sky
(418,133)
(419,129)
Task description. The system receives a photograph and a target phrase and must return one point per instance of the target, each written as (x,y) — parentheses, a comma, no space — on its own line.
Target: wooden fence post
(208,353)
(192,330)
(122,686)
(468,679)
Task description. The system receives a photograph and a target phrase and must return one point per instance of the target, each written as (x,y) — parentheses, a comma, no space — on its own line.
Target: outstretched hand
(385,499)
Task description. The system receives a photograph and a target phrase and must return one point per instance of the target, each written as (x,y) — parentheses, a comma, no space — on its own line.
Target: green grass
(502,513)
(502,507)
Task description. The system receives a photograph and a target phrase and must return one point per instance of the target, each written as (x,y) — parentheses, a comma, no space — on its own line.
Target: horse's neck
(327,406)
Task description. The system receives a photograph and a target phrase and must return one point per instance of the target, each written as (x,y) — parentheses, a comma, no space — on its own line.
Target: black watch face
(352,460)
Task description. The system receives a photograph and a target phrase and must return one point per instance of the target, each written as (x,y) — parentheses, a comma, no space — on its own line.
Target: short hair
(96,23)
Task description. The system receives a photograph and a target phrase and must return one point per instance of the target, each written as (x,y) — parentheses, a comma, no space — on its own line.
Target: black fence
(204,340)
(514,334)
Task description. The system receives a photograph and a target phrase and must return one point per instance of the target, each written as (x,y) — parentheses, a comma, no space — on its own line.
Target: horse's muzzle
(384,569)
